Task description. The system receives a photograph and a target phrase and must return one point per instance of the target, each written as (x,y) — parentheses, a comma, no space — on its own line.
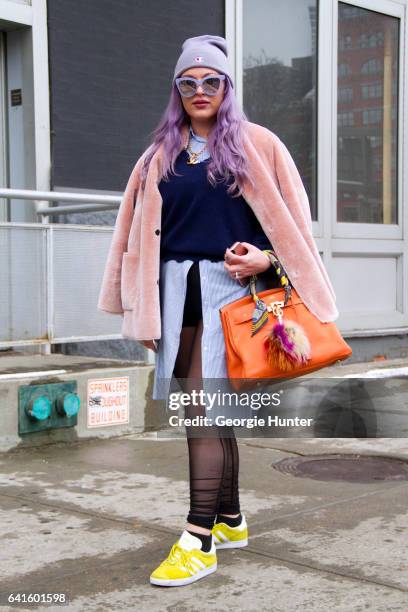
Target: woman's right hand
(150,344)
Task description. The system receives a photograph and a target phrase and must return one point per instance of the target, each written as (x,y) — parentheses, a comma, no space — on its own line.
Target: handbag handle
(284,280)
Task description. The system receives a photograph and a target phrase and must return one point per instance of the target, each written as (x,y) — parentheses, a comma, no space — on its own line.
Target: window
(345,94)
(279,77)
(371,90)
(345,43)
(344,70)
(367,126)
(372,66)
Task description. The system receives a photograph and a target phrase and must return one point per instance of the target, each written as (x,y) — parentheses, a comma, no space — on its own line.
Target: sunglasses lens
(211,85)
(187,87)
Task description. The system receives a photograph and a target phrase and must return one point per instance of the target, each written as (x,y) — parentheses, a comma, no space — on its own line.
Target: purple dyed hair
(225,141)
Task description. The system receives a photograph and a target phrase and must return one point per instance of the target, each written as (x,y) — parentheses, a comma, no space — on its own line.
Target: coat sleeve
(296,199)
(110,292)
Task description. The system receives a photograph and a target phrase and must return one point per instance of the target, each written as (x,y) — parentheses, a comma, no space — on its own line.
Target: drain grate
(349,468)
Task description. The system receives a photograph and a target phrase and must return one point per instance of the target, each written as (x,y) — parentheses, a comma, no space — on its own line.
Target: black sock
(231,521)
(206,540)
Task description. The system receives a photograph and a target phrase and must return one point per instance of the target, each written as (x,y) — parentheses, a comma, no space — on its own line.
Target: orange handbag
(278,339)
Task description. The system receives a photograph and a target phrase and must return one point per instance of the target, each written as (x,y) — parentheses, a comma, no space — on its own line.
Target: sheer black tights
(213,449)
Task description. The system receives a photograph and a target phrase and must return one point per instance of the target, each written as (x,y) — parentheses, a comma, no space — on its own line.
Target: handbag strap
(283,277)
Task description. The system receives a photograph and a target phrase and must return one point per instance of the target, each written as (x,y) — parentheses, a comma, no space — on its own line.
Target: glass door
(369,254)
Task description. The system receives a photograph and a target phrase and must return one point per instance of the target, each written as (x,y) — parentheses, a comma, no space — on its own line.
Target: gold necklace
(193,156)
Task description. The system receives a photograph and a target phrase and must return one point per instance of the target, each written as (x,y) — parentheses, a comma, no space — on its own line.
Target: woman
(203,212)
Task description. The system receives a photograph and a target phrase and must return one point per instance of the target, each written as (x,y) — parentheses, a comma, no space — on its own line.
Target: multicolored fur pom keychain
(286,344)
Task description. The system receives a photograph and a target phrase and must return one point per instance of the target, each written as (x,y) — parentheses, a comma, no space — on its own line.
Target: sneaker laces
(179,554)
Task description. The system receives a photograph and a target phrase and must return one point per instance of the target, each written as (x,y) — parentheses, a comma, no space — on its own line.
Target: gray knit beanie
(207,50)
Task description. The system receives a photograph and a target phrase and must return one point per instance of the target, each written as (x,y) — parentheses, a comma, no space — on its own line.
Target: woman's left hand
(253,262)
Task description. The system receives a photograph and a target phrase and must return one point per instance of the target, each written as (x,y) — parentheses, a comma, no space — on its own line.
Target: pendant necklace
(193,156)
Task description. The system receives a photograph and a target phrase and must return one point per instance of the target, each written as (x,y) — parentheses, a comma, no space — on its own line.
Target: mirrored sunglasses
(188,86)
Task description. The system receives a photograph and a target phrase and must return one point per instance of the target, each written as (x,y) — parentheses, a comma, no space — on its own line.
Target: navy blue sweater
(200,221)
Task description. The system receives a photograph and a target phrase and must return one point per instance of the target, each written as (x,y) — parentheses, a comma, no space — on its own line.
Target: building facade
(83,84)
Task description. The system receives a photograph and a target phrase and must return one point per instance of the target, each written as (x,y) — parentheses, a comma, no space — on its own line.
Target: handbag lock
(276,308)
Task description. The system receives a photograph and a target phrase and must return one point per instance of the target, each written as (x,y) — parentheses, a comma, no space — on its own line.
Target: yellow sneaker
(186,562)
(230,537)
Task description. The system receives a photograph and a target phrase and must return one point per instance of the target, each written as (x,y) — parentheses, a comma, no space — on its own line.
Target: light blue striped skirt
(217,289)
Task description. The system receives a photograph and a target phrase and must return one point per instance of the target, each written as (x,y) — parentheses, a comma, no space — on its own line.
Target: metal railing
(96,202)
(45,267)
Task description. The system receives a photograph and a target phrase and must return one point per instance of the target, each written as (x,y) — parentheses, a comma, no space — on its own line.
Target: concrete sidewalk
(94,518)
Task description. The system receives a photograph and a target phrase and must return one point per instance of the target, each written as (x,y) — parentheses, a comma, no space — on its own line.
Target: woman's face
(209,110)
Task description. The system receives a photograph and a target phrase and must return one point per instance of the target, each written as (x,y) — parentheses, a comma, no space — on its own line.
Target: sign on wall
(108,401)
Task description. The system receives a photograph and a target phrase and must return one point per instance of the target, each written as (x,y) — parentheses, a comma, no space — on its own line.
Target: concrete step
(115,397)
(115,394)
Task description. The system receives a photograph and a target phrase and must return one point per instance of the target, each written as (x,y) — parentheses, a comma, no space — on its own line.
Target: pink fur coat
(130,284)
